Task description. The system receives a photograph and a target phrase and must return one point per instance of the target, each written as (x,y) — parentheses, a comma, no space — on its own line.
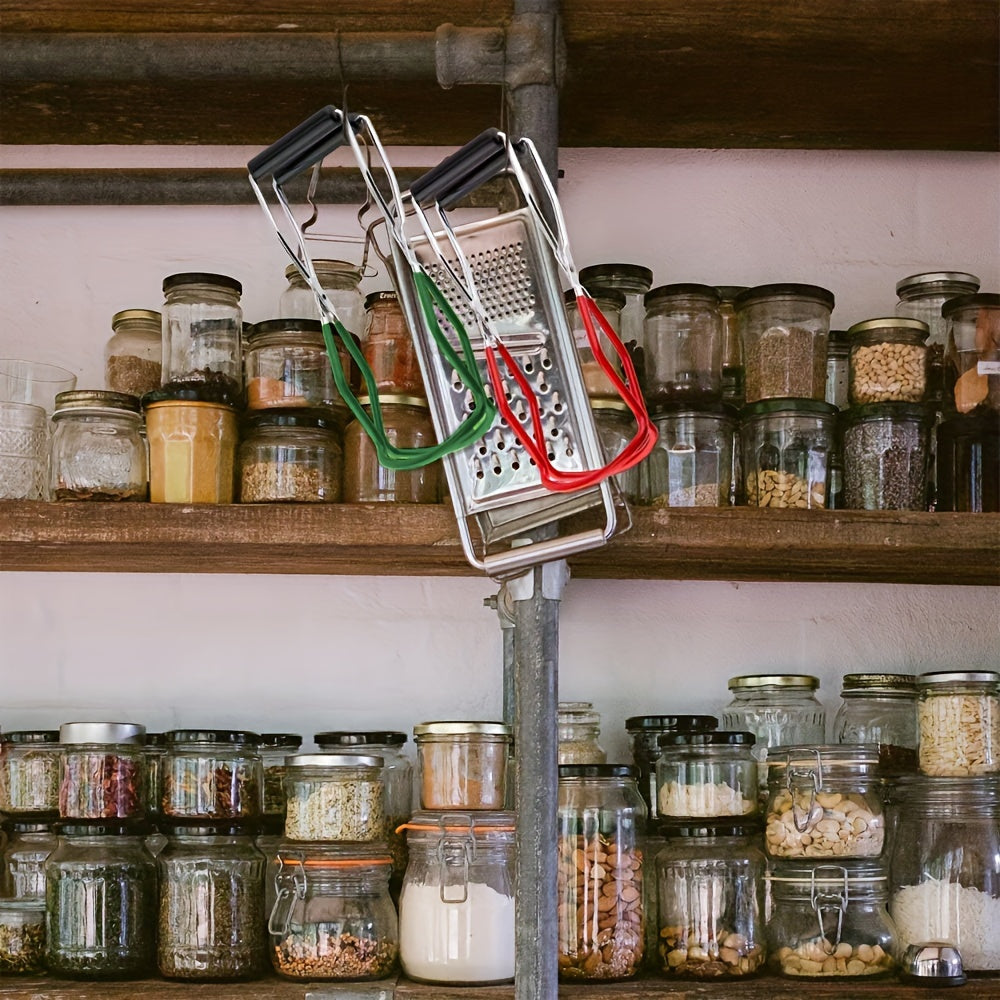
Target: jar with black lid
(29,773)
(273,749)
(29,844)
(103,771)
(838,354)
(881,709)
(632,280)
(133,357)
(968,463)
(706,774)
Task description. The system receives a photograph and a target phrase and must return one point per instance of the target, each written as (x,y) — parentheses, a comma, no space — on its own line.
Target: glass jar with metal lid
(632,280)
(273,749)
(838,367)
(959,716)
(734,391)
(29,773)
(462,765)
(579,730)
(29,844)
(888,361)
(211,774)
(388,347)
(706,774)
(97,452)
(600,819)
(611,303)
(341,282)
(456,908)
(880,709)
(22,936)
(133,356)
(616,427)
(777,708)
(831,920)
(103,771)
(335,796)
(968,463)
(921,297)
(974,350)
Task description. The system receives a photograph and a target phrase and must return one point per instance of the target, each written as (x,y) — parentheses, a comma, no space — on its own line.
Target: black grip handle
(303,147)
(476,162)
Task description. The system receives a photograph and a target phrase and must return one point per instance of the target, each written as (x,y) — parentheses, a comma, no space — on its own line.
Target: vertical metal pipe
(534,112)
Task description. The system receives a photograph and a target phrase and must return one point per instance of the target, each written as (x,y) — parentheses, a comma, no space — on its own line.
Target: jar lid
(290,418)
(787,404)
(343,738)
(182,397)
(462,729)
(836,337)
(227,736)
(879,682)
(918,327)
(612,295)
(484,823)
(201,278)
(20,826)
(774,680)
(856,871)
(670,723)
(95,399)
(725,827)
(154,740)
(613,405)
(101,732)
(149,315)
(280,741)
(760,293)
(326,266)
(683,289)
(628,277)
(712,738)
(331,761)
(290,325)
(374,298)
(598,771)
(936,677)
(102,828)
(888,409)
(915,281)
(986,300)
(30,736)
(970,424)
(393,398)
(824,755)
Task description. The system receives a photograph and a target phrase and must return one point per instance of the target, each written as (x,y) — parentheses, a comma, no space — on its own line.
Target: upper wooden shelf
(393,540)
(884,74)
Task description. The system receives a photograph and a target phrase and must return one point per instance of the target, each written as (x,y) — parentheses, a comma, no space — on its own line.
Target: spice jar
(407,424)
(974,350)
(968,462)
(595,379)
(332,917)
(211,774)
(959,714)
(616,427)
(706,774)
(838,367)
(22,936)
(202,338)
(784,330)
(22,875)
(710,880)
(734,391)
(888,361)
(340,281)
(945,866)
(885,450)
(831,920)
(388,347)
(456,909)
(101,904)
(133,357)
(880,710)
(211,905)
(786,445)
(290,457)
(103,771)
(29,773)
(824,801)
(600,819)
(273,749)
(462,765)
(97,452)
(579,730)
(334,796)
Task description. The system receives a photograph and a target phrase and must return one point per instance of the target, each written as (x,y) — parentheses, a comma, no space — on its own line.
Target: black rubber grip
(303,147)
(454,177)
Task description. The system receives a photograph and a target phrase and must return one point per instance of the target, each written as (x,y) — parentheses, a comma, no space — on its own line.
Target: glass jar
(29,773)
(101,904)
(831,921)
(211,774)
(786,445)
(24,452)
(408,424)
(880,710)
(921,297)
(616,427)
(596,380)
(784,330)
(974,350)
(211,905)
(96,451)
(579,729)
(838,366)
(706,774)
(103,771)
(886,450)
(340,280)
(22,936)
(959,715)
(692,464)
(133,356)
(290,458)
(945,866)
(273,749)
(269,844)
(734,390)
(683,344)
(710,880)
(968,463)
(462,765)
(28,848)
(456,909)
(335,796)
(888,361)
(202,338)
(192,451)
(824,801)
(778,709)
(388,347)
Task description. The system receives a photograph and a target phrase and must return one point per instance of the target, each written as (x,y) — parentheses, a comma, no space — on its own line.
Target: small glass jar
(29,773)
(959,715)
(921,297)
(784,330)
(974,350)
(831,921)
(103,771)
(211,905)
(290,457)
(786,445)
(838,367)
(388,347)
(734,389)
(211,774)
(202,338)
(888,361)
(945,866)
(462,765)
(335,796)
(273,749)
(24,452)
(885,451)
(456,909)
(407,424)
(595,379)
(824,801)
(880,710)
(101,904)
(333,917)
(683,345)
(340,281)
(710,880)
(24,855)
(133,356)
(22,936)
(706,774)
(968,463)
(97,452)
(616,427)
(579,729)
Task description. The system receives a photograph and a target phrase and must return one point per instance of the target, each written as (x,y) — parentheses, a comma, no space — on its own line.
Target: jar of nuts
(600,819)
(706,774)
(959,714)
(888,361)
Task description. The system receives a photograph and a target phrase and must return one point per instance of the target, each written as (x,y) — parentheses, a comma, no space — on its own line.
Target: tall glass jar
(706,775)
(959,715)
(133,356)
(974,350)
(29,773)
(968,463)
(888,361)
(945,866)
(616,427)
(600,820)
(596,380)
(579,729)
(97,452)
(880,709)
(340,280)
(734,390)
(462,765)
(388,347)
(22,936)
(838,354)
(29,844)
(103,771)
(456,909)
(273,749)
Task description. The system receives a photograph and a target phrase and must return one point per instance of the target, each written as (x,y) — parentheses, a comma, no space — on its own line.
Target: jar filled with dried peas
(959,712)
(388,346)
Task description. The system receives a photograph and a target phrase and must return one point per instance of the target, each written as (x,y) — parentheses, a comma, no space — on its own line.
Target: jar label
(989,368)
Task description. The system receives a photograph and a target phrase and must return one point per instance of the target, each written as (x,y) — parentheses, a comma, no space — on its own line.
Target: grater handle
(478,161)
(516,560)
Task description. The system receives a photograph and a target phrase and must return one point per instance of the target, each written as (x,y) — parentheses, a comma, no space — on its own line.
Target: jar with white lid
(22,875)
(959,713)
(888,361)
(610,302)
(880,710)
(579,729)
(133,356)
(29,773)
(462,765)
(709,774)
(103,771)
(273,749)
(22,937)
(340,280)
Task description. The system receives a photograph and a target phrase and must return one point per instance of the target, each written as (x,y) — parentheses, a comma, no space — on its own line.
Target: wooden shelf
(390,540)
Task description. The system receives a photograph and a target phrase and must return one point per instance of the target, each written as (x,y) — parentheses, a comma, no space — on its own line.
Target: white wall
(305,653)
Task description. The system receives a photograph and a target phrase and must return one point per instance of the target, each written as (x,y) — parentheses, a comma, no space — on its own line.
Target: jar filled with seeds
(709,886)
(959,714)
(600,820)
(335,796)
(616,427)
(579,729)
(22,936)
(888,361)
(974,350)
(28,847)
(838,367)
(706,774)
(388,347)
(596,380)
(273,749)
(968,463)
(462,765)
(734,390)
(341,282)
(133,357)
(211,774)
(880,710)
(103,771)
(830,921)
(29,773)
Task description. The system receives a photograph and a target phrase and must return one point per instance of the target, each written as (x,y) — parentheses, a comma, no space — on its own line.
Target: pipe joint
(468,55)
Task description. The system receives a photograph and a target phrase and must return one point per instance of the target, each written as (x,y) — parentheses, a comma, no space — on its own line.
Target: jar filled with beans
(888,361)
